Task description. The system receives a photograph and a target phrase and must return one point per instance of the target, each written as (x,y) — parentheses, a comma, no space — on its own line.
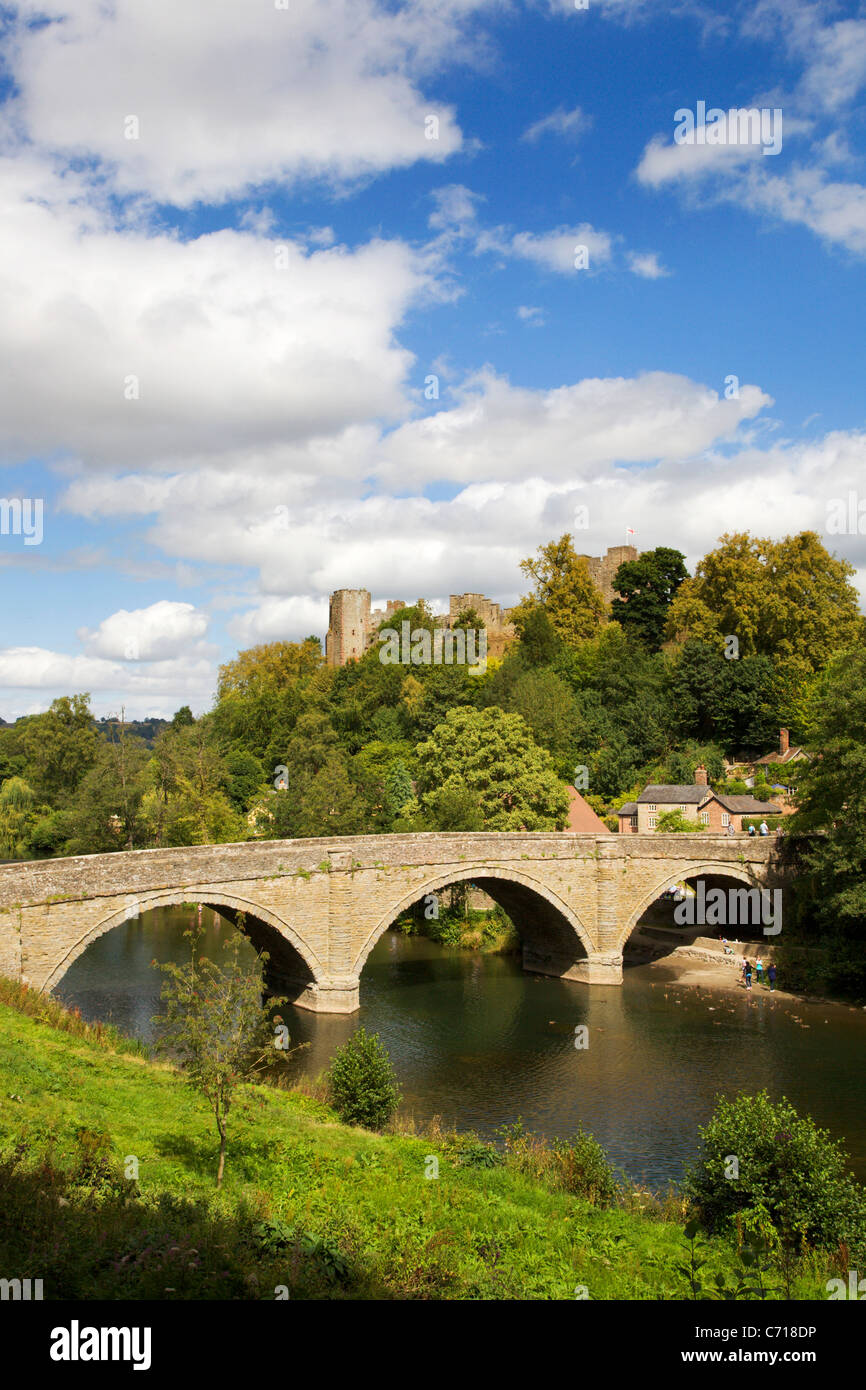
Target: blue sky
(231,259)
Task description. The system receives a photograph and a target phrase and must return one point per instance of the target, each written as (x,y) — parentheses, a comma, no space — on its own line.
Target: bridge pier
(597,968)
(331,995)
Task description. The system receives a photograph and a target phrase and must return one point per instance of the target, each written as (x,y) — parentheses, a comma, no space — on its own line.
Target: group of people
(759,973)
(763,829)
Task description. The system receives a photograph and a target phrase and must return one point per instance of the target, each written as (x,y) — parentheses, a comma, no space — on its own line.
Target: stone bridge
(318,906)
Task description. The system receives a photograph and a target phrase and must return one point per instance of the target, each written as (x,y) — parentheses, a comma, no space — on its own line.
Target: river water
(477,1042)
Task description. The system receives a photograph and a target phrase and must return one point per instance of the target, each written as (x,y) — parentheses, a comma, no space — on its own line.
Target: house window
(634,822)
(652,806)
(705,817)
(653,822)
(726,820)
(685,810)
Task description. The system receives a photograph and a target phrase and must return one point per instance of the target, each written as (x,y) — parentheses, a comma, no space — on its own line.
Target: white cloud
(456,209)
(162,631)
(143,348)
(281,620)
(560,122)
(664,162)
(30,677)
(509,449)
(646,265)
(228,95)
(555,250)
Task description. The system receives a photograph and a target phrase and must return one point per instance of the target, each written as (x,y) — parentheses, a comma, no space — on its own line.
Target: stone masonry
(318,906)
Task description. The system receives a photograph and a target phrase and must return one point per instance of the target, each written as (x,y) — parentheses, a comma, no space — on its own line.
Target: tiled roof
(787,757)
(581,816)
(749,806)
(629,808)
(693,795)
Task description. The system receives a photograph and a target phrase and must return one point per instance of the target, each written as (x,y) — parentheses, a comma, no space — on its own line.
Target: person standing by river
(771,976)
(759,971)
(747,973)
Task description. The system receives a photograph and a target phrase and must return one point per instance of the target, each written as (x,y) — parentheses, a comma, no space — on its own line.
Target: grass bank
(107,1164)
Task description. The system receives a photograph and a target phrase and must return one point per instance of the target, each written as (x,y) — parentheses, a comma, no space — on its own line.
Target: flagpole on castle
(629,532)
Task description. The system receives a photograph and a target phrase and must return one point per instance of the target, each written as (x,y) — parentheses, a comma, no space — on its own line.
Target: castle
(353,624)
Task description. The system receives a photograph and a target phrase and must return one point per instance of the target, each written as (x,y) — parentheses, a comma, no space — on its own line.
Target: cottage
(695,801)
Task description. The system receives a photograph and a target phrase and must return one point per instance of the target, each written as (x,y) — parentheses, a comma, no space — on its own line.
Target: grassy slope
(473,1233)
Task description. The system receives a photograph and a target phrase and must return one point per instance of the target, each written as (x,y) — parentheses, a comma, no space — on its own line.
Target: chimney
(700,775)
(783,741)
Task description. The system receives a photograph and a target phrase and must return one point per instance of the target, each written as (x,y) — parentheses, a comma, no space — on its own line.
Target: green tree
(215,1026)
(331,804)
(398,788)
(107,812)
(790,599)
(493,756)
(831,796)
(60,746)
(361,1082)
(647,587)
(17,815)
(563,589)
(186,802)
(539,641)
(454,808)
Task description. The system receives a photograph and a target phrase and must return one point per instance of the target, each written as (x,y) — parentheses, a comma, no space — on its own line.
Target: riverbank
(697,970)
(108,1166)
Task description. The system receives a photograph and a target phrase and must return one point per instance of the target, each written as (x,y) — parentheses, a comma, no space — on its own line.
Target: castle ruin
(353,624)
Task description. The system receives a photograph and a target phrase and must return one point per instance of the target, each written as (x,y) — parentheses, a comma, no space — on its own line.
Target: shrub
(675,823)
(361,1082)
(578,1165)
(790,1173)
(584,1169)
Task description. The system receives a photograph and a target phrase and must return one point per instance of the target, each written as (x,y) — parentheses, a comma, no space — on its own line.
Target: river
(477,1042)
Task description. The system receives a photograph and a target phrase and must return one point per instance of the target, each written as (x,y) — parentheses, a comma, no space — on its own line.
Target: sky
(298,295)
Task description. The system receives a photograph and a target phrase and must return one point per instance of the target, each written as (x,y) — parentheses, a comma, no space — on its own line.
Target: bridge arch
(547,926)
(718,869)
(290,957)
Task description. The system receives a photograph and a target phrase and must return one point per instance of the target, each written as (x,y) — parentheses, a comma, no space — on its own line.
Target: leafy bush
(675,823)
(791,1174)
(361,1082)
(584,1169)
(578,1165)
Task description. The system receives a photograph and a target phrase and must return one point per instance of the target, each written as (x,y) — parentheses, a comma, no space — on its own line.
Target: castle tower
(602,570)
(348,625)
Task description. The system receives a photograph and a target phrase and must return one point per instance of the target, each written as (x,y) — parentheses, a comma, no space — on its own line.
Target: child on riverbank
(759,971)
(771,976)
